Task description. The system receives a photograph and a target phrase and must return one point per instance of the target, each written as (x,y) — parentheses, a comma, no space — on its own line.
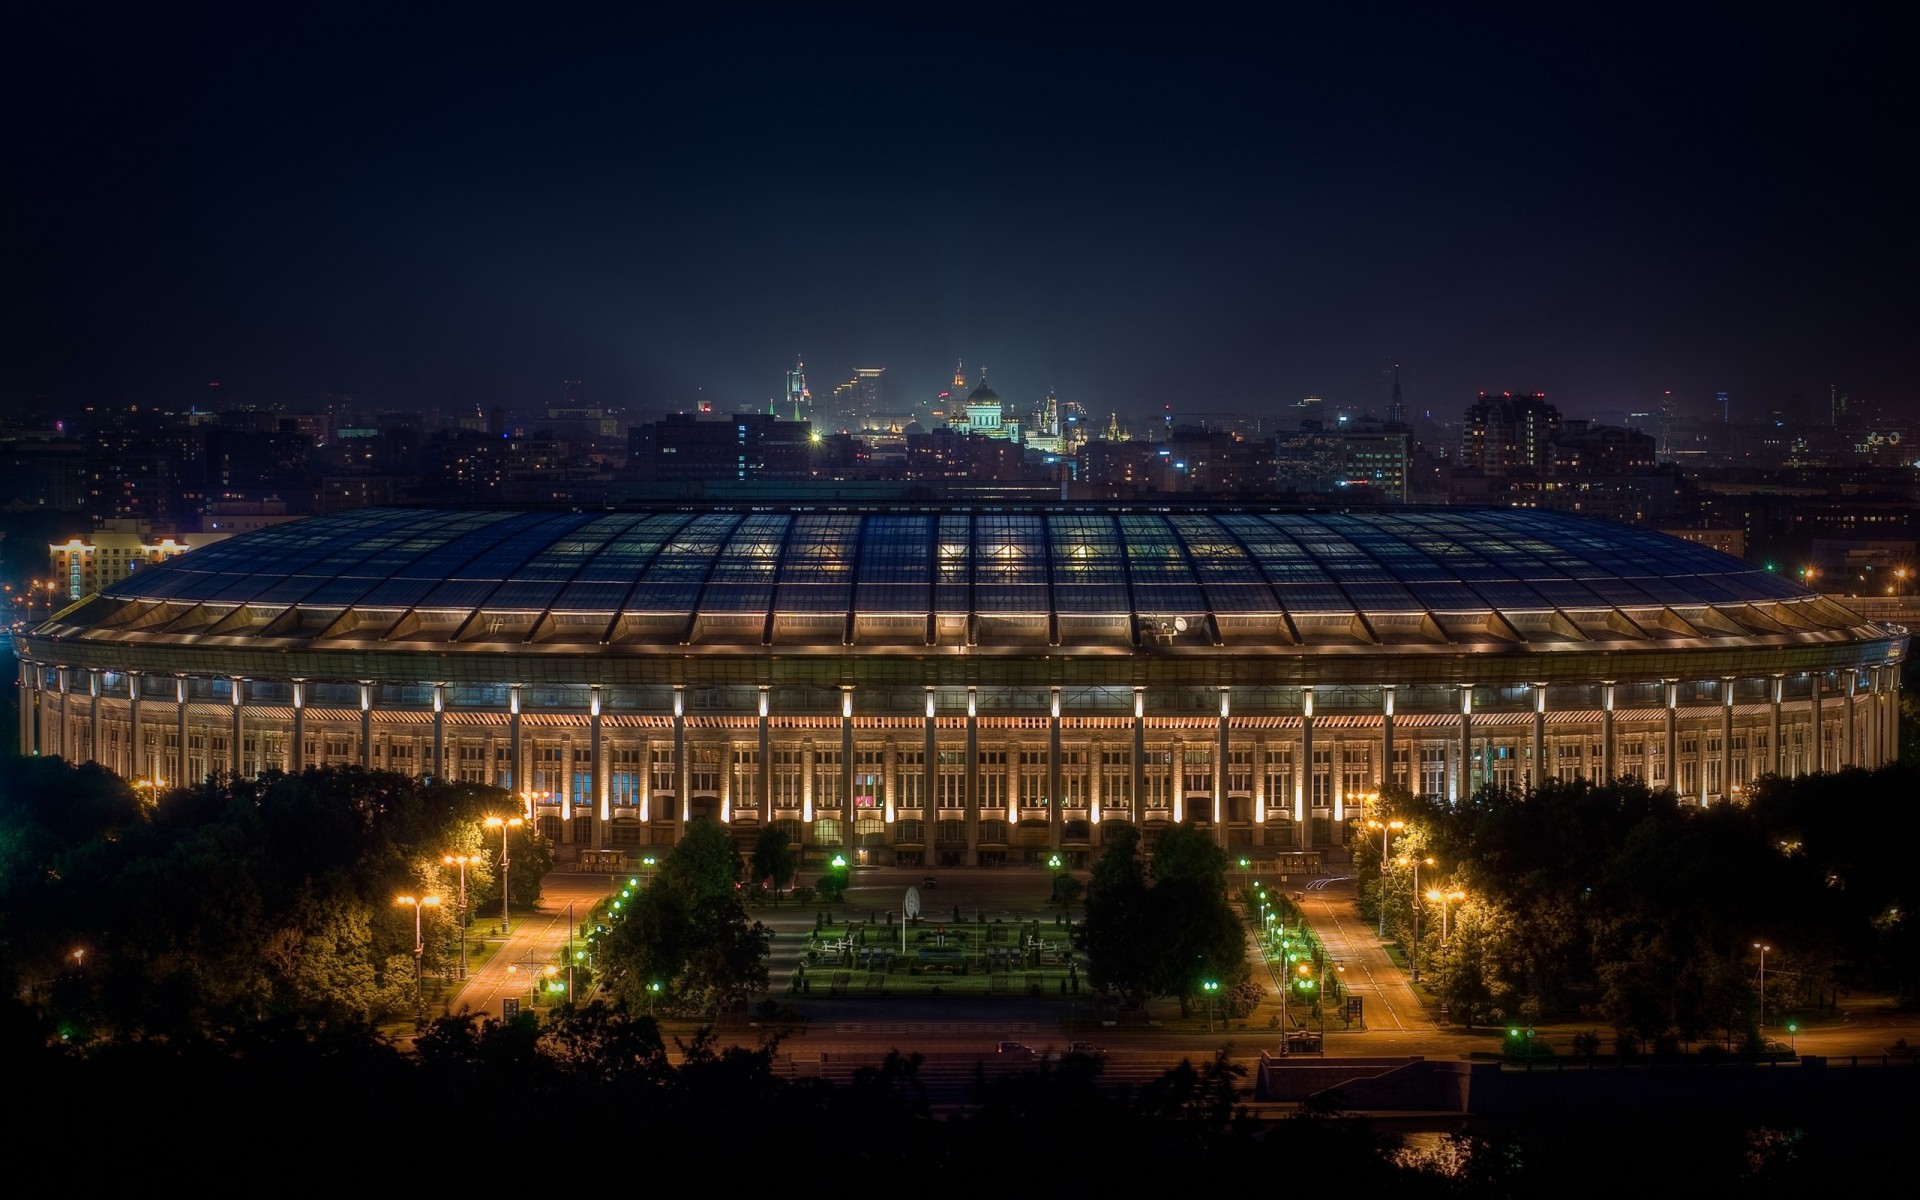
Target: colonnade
(964,786)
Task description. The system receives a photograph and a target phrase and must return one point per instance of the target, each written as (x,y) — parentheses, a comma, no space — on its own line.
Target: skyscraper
(870,391)
(799,402)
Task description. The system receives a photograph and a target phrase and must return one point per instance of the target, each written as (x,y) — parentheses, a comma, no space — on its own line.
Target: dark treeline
(235,901)
(1616,904)
(592,1092)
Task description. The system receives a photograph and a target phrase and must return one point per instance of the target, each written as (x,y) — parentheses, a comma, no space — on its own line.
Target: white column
(135,753)
(1818,756)
(437,770)
(297,753)
(1303,774)
(1055,808)
(366,723)
(1607,765)
(180,714)
(682,771)
(1673,735)
(766,759)
(1539,771)
(846,763)
(1773,732)
(238,688)
(1467,772)
(1384,776)
(1726,737)
(93,715)
(602,805)
(1139,752)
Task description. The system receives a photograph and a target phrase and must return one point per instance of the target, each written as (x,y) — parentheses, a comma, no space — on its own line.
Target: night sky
(1220,209)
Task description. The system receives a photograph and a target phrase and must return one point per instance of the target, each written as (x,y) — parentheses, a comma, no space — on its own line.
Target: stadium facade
(972,685)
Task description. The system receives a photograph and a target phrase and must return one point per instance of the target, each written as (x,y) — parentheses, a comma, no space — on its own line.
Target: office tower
(799,403)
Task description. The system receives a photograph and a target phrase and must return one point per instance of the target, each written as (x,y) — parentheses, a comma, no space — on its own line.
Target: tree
(704,862)
(1117,956)
(1167,938)
(1186,851)
(686,939)
(774,860)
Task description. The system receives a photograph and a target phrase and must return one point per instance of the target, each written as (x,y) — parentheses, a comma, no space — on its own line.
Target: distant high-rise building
(799,402)
(1726,408)
(870,392)
(1505,434)
(1396,411)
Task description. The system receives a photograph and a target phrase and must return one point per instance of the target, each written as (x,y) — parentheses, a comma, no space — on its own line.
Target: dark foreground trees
(235,901)
(1166,932)
(685,941)
(595,1091)
(1617,904)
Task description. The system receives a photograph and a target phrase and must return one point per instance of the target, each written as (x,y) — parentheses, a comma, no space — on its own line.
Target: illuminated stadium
(940,685)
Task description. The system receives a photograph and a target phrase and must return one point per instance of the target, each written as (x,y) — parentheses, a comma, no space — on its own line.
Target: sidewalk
(1390,1006)
(537,939)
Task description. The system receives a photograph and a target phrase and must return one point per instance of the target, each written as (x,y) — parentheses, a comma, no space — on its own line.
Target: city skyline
(1231,213)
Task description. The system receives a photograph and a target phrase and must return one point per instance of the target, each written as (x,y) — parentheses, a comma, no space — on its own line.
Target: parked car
(1086,1048)
(926,883)
(1016,1051)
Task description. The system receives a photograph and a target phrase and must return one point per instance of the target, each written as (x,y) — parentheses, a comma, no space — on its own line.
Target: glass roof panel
(816,571)
(602,584)
(671,582)
(1163,581)
(1088,572)
(1010,568)
(743,573)
(894,572)
(953,557)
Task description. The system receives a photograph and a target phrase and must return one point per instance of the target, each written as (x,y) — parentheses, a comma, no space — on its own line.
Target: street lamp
(1442,899)
(532,797)
(504,824)
(419,943)
(461,861)
(1386,829)
(1762,947)
(1415,956)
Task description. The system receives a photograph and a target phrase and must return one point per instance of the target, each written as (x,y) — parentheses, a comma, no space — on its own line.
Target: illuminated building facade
(964,685)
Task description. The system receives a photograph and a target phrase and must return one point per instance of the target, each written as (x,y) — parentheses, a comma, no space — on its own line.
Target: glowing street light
(1762,947)
(1386,828)
(419,943)
(503,824)
(461,860)
(1415,956)
(1442,899)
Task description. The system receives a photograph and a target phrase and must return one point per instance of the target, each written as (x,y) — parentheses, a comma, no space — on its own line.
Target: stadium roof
(1061,576)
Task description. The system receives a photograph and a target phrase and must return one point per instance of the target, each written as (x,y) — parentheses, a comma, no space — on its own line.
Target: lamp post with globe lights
(1414,957)
(1443,899)
(417,903)
(461,861)
(1387,829)
(503,824)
